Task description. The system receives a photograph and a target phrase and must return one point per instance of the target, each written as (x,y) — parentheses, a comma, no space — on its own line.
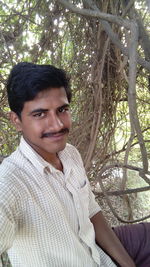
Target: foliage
(88,48)
(95,52)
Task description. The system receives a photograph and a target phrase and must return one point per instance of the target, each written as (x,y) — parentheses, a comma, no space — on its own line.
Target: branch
(124,180)
(112,35)
(98,110)
(120,165)
(110,204)
(123,192)
(128,7)
(144,37)
(115,40)
(130,167)
(7,47)
(132,92)
(125,146)
(96,14)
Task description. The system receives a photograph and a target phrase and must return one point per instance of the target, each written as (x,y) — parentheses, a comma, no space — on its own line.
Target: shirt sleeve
(93,205)
(8,216)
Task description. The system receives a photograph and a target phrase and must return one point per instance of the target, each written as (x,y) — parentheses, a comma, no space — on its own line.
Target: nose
(54,123)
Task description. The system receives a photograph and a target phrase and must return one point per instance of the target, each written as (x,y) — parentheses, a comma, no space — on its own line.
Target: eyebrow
(39,110)
(64,106)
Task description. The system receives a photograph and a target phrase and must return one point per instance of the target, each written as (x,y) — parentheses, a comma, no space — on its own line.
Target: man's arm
(8,215)
(107,240)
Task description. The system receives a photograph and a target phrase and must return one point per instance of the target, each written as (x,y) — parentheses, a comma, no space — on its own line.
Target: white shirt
(45,214)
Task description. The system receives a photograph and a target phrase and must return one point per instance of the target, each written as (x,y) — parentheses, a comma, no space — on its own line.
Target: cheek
(66,119)
(33,128)
(69,121)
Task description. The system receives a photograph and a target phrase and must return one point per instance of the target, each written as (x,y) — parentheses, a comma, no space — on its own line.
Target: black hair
(26,80)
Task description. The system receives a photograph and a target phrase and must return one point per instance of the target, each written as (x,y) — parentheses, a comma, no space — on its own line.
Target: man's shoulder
(73,153)
(70,147)
(12,171)
(11,164)
(72,150)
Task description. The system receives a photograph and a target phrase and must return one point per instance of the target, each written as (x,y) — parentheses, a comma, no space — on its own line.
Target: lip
(56,137)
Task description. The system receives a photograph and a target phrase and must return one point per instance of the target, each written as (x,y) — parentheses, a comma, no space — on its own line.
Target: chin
(58,148)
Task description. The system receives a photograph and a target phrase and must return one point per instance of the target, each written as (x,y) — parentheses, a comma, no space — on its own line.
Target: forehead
(49,98)
(55,93)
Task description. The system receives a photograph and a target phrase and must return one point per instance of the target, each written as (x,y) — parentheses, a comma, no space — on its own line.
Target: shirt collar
(40,164)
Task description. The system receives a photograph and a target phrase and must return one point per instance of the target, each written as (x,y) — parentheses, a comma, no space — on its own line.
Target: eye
(39,115)
(63,109)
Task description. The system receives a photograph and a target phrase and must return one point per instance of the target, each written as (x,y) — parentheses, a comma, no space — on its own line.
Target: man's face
(45,122)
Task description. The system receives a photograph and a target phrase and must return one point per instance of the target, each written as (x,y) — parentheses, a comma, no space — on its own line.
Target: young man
(48,214)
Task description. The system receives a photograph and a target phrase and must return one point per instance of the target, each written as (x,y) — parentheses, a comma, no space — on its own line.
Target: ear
(16,121)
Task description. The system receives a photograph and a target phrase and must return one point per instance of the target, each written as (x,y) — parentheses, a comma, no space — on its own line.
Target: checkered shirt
(45,213)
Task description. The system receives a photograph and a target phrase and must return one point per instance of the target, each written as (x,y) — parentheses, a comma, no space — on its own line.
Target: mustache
(63,131)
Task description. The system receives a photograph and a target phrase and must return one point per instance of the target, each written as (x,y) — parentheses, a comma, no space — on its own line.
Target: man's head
(26,80)
(39,97)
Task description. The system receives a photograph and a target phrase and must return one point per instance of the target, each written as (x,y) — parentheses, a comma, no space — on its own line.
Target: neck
(55,162)
(51,158)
